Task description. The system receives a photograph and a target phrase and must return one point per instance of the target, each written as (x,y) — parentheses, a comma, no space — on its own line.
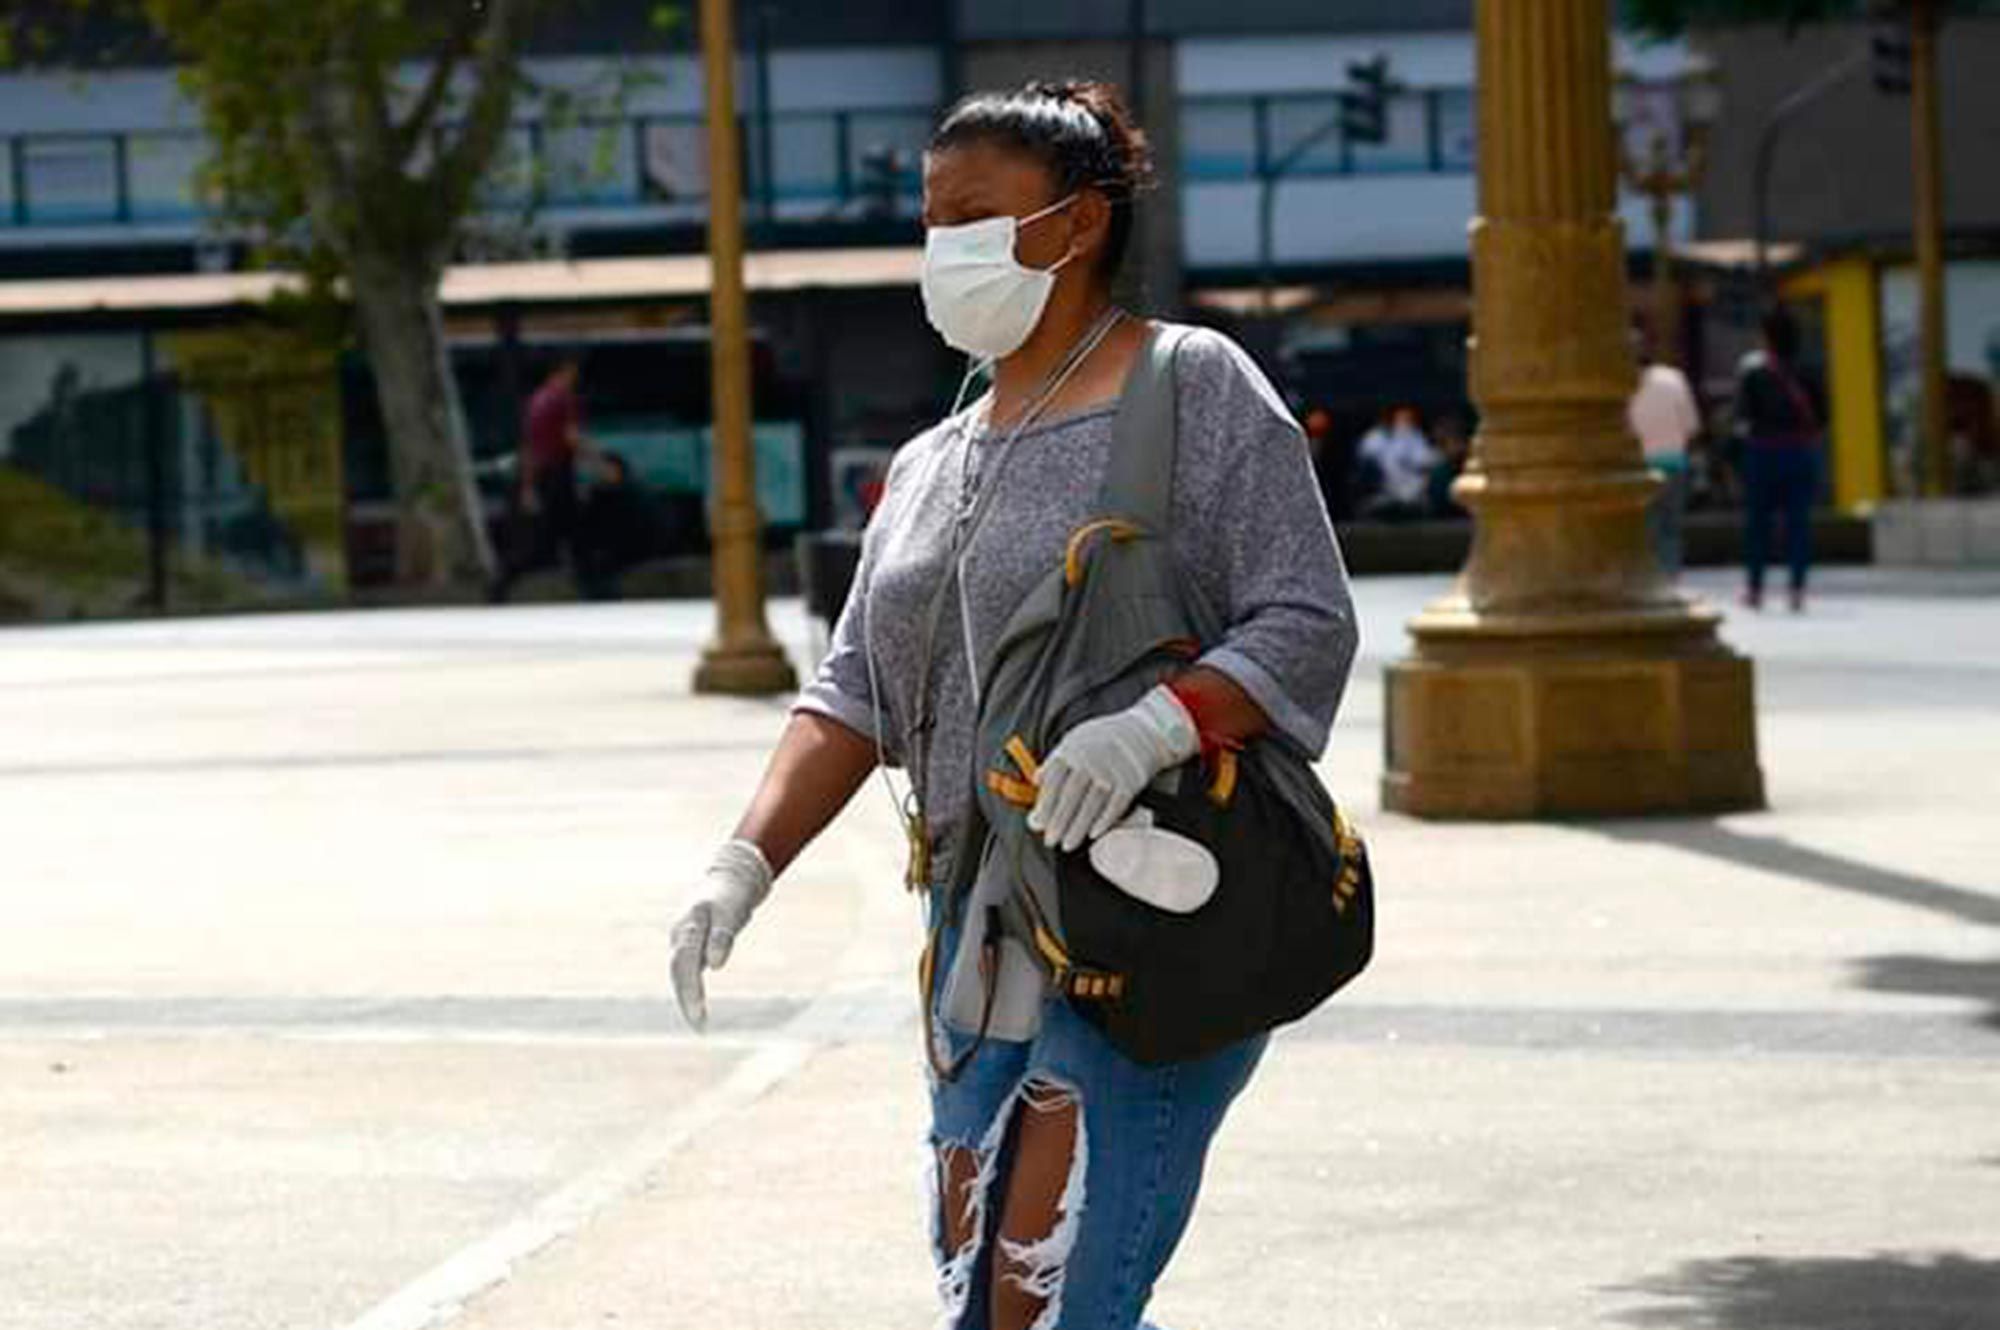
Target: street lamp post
(1563,675)
(1362,121)
(1663,129)
(744,658)
(1927,170)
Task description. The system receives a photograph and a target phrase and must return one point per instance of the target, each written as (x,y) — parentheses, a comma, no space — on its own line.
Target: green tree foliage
(352,140)
(350,137)
(1670,18)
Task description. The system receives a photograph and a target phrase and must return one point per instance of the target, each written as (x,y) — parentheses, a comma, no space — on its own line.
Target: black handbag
(1292,918)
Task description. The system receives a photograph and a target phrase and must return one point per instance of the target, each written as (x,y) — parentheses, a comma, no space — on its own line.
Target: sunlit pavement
(332,995)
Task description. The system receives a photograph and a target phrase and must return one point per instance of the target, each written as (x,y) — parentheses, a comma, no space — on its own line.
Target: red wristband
(1213,741)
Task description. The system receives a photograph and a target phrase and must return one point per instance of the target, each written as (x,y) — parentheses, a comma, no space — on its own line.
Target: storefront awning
(474,286)
(1737,255)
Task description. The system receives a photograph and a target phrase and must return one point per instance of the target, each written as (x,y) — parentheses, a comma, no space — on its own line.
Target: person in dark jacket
(618,525)
(1780,415)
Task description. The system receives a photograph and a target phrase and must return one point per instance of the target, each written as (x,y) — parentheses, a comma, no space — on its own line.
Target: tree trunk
(440,525)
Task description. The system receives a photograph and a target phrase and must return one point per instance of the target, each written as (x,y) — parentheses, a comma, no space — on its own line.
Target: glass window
(807,151)
(511,177)
(1458,129)
(1218,140)
(1408,144)
(71,179)
(163,170)
(6,181)
(676,160)
(591,163)
(71,417)
(1300,124)
(897,137)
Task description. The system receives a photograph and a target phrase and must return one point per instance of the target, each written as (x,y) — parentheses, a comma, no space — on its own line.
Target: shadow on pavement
(1774,854)
(1886,1291)
(1932,976)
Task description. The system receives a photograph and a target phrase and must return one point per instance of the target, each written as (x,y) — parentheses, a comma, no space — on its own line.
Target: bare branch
(357,71)
(430,101)
(464,160)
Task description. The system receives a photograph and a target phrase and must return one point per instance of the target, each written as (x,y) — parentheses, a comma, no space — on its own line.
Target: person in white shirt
(1404,458)
(1664,416)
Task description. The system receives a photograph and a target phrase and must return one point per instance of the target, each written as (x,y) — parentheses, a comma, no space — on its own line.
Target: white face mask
(978,296)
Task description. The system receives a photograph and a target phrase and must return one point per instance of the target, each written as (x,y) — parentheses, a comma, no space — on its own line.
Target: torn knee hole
(1045,1200)
(958,1176)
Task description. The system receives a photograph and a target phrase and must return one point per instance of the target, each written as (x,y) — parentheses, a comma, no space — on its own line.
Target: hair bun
(1106,105)
(1079,129)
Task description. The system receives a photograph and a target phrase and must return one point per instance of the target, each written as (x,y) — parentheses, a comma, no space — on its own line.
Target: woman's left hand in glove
(1089,782)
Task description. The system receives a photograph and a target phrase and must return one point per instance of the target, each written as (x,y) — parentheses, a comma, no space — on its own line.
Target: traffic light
(1889,52)
(880,187)
(1364,108)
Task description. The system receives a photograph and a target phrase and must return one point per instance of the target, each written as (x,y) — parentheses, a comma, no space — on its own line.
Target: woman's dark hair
(1079,130)
(1781,333)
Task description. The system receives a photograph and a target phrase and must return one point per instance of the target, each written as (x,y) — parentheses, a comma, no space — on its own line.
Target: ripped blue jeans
(1141,1137)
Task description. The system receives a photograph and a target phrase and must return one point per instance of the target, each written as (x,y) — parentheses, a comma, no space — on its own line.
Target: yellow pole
(1927,168)
(1854,377)
(1563,675)
(744,658)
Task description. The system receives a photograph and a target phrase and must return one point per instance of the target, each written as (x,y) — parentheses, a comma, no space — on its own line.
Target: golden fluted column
(1563,674)
(744,658)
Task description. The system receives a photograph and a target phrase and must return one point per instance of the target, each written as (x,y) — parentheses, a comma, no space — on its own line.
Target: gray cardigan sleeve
(842,690)
(1255,533)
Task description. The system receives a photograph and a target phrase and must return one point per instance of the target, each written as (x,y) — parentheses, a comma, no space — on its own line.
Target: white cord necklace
(971,508)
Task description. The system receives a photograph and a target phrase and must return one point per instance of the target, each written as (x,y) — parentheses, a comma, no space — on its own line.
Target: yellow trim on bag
(1017,749)
(1115,527)
(1011,788)
(1224,787)
(1052,952)
(1352,854)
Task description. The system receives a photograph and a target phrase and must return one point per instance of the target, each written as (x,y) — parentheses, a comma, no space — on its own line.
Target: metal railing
(824,163)
(1431,131)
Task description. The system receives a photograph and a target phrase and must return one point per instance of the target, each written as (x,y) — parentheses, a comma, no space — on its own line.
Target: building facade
(1343,263)
(1840,191)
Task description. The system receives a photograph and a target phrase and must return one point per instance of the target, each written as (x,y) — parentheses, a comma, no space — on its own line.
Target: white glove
(1090,780)
(732,889)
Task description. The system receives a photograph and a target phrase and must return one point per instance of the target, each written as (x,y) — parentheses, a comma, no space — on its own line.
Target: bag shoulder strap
(1803,409)
(1139,478)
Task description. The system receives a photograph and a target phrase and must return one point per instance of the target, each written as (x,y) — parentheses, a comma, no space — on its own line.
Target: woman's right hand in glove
(735,884)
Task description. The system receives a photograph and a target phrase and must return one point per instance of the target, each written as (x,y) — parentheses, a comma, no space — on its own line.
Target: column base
(1517,728)
(749,669)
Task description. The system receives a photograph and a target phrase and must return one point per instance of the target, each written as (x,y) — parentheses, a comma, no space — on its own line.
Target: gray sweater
(1249,527)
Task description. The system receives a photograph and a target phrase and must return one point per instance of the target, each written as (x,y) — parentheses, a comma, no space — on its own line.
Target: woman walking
(1065,1172)
(1779,414)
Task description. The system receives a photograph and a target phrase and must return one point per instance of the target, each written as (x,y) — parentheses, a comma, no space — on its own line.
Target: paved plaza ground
(332,997)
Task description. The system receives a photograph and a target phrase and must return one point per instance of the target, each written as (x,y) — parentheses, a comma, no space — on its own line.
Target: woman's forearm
(816,768)
(1221,708)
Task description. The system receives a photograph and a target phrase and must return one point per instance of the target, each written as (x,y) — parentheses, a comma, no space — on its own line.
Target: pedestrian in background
(1454,451)
(1779,414)
(552,444)
(618,525)
(1064,1171)
(1664,416)
(1403,458)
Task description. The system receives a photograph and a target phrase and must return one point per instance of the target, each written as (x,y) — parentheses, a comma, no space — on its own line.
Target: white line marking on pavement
(439,1295)
(851,1006)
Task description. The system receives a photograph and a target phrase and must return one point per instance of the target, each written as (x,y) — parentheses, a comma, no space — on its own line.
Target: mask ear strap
(1057,206)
